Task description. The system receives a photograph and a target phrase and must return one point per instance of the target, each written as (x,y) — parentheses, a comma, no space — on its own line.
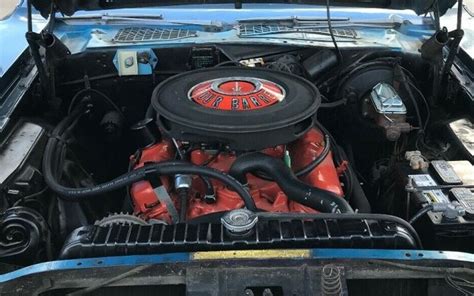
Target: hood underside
(69,7)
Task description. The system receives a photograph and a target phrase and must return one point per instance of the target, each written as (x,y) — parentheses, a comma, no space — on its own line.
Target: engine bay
(234,147)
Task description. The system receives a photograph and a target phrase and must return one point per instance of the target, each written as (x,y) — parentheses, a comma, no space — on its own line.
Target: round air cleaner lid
(244,108)
(237,93)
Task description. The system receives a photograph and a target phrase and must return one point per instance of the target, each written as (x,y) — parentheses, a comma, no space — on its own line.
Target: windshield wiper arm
(105,19)
(297,22)
(106,16)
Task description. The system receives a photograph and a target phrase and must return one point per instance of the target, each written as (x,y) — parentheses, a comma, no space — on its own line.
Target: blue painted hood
(69,7)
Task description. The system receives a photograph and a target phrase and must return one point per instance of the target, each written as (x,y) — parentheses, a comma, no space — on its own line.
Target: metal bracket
(135,61)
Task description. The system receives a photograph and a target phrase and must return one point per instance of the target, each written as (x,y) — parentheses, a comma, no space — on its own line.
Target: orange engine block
(267,194)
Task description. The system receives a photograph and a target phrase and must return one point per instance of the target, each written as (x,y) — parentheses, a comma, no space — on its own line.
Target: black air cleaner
(244,108)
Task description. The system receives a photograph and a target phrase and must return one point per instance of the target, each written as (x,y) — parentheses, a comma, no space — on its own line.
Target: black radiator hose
(318,199)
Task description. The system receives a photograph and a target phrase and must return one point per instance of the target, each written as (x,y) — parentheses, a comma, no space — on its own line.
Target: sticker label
(446,172)
(252,254)
(431,196)
(423,180)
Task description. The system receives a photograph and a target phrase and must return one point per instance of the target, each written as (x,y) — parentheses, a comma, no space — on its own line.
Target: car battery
(442,182)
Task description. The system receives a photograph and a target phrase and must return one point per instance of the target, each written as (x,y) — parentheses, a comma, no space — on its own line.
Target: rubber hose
(354,193)
(358,199)
(333,104)
(54,147)
(163,168)
(318,199)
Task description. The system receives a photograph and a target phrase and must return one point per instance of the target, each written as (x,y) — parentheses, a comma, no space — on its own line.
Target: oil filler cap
(240,221)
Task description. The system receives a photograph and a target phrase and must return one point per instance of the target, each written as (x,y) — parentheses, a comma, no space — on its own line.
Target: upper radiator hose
(318,199)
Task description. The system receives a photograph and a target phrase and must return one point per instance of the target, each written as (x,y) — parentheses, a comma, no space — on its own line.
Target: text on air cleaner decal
(237,93)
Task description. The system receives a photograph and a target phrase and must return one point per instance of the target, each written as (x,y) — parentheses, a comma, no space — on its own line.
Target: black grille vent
(251,30)
(136,34)
(95,241)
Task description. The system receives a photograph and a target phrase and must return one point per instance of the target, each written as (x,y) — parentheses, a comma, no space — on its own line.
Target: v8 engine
(261,154)
(240,121)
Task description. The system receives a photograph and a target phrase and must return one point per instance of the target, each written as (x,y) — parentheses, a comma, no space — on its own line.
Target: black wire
(348,182)
(328,15)
(335,148)
(99,93)
(310,166)
(28,197)
(212,158)
(428,112)
(317,161)
(90,78)
(410,75)
(420,213)
(407,86)
(131,164)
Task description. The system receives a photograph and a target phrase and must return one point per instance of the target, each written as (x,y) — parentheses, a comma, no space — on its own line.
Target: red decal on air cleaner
(237,93)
